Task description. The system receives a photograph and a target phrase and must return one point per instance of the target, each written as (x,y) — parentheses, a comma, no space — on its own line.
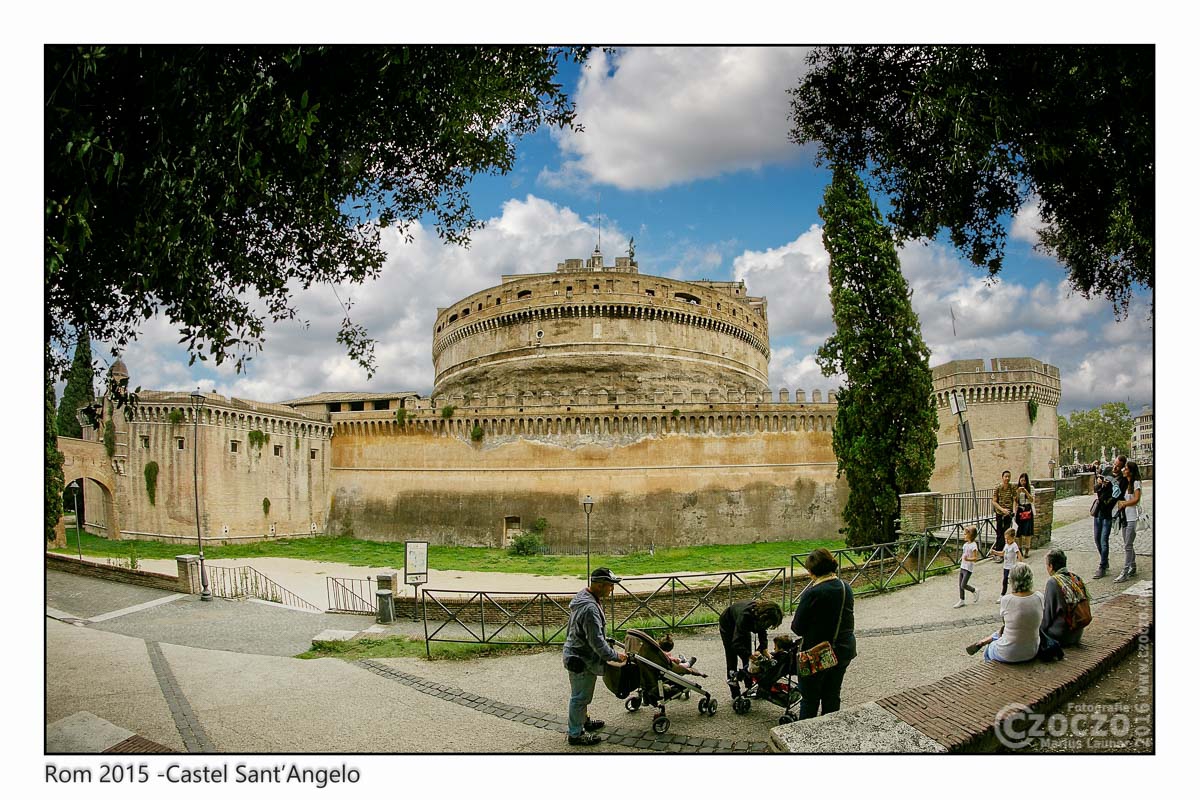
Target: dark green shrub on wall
(176,416)
(151,473)
(257,438)
(266,506)
(110,438)
(448,411)
(477,434)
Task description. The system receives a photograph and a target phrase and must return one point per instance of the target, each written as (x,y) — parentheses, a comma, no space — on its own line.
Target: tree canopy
(1087,430)
(209,183)
(79,390)
(962,137)
(885,433)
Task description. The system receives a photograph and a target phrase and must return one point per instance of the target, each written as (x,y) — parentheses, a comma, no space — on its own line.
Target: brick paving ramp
(957,713)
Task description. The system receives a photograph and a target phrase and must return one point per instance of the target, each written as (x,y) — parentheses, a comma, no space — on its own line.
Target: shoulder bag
(821,657)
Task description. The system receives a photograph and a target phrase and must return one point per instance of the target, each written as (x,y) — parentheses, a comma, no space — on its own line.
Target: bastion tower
(590,325)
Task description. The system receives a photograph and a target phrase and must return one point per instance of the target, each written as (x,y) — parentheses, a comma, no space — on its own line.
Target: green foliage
(401,416)
(448,411)
(266,506)
(526,543)
(54,461)
(151,475)
(110,437)
(345,549)
(1032,407)
(476,434)
(962,137)
(257,438)
(78,391)
(885,434)
(675,413)
(1109,426)
(194,180)
(539,526)
(175,416)
(297,442)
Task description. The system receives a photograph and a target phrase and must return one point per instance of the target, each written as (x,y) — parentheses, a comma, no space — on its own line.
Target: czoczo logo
(1017,725)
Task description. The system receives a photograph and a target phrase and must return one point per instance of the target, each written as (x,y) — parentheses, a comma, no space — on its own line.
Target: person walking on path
(966,567)
(1064,593)
(585,652)
(825,613)
(1012,554)
(737,624)
(1102,520)
(1003,499)
(1129,505)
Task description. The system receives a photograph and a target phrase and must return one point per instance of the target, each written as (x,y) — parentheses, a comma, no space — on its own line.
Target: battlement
(155,407)
(1009,380)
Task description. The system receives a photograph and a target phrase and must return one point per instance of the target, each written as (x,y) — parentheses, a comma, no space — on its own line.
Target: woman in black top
(738,624)
(825,613)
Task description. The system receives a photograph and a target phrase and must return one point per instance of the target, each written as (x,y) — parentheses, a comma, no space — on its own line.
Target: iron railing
(943,544)
(237,582)
(664,602)
(966,506)
(868,569)
(351,595)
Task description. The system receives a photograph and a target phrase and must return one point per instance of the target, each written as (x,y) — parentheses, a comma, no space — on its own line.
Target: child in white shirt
(1012,554)
(966,567)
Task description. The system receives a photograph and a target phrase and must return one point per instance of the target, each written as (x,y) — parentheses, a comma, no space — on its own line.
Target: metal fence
(868,569)
(238,582)
(351,595)
(660,602)
(942,546)
(966,506)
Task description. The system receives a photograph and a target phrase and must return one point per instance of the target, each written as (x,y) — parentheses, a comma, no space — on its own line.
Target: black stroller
(774,681)
(649,677)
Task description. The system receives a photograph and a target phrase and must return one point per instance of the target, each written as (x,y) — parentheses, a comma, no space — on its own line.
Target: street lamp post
(587,511)
(198,404)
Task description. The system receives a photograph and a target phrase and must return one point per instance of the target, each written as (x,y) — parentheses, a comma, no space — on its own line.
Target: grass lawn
(359,552)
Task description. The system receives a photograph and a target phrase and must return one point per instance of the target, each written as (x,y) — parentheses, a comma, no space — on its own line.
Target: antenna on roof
(597,222)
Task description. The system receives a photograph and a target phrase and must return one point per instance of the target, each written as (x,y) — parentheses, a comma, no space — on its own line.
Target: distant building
(1141,446)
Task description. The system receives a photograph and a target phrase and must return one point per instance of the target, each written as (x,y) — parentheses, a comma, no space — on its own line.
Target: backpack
(1079,613)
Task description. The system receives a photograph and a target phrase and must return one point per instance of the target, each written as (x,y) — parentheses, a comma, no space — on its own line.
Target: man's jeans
(583,684)
(1101,529)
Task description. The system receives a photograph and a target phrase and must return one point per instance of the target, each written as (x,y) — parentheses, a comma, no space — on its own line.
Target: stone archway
(87,461)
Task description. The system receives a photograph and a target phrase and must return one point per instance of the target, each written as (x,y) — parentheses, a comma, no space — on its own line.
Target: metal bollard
(386,610)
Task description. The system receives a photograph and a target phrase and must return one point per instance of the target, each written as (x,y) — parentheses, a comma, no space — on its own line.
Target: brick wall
(920,511)
(153,580)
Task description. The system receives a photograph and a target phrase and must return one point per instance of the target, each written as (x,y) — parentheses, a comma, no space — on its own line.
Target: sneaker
(1100,573)
(1133,570)
(593,724)
(997,601)
(585,739)
(691,662)
(976,593)
(972,649)
(1124,576)
(959,604)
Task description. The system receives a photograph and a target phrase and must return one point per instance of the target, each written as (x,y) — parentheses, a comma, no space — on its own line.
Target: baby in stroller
(773,678)
(651,676)
(680,664)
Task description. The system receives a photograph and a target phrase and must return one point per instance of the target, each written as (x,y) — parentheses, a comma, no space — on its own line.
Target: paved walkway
(218,676)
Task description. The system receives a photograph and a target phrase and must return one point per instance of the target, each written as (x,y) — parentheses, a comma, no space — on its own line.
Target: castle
(647,393)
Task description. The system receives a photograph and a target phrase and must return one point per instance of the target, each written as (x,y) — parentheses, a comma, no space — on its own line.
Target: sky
(686,150)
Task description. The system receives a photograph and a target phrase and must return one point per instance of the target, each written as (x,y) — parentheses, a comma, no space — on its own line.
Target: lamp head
(587,504)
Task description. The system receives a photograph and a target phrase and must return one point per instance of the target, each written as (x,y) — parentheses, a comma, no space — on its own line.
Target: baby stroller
(775,681)
(650,677)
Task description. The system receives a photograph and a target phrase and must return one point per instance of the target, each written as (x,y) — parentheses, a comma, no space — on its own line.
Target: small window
(480,308)
(145,442)
(524,294)
(596,288)
(466,311)
(356,405)
(649,293)
(279,450)
(312,454)
(233,445)
(178,442)
(453,318)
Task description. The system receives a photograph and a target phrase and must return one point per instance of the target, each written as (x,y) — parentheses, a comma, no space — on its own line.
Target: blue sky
(686,150)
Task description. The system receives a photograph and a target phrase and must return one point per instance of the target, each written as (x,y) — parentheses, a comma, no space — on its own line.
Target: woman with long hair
(1022,514)
(1130,503)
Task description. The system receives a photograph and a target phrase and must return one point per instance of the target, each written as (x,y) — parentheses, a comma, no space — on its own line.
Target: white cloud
(795,280)
(654,117)
(398,309)
(1028,221)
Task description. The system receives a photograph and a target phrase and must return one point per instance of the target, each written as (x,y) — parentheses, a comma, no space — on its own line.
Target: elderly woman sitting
(1021,610)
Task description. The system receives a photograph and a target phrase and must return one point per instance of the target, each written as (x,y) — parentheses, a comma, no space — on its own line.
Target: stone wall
(719,474)
(153,580)
(998,412)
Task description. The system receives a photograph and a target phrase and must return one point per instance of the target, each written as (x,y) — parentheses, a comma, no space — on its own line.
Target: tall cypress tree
(54,464)
(886,429)
(79,391)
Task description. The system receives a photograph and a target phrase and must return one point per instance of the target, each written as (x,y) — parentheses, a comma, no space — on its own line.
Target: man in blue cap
(585,652)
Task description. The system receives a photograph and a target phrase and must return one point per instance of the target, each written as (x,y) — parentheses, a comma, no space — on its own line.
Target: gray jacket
(1054,616)
(585,633)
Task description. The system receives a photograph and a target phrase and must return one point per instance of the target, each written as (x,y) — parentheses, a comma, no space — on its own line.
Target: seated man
(1067,604)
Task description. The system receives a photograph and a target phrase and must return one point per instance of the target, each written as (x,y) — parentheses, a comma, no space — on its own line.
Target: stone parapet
(920,512)
(153,580)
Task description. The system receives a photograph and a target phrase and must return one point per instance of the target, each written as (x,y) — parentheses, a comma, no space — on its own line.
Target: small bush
(151,473)
(675,414)
(477,434)
(176,416)
(110,438)
(539,526)
(257,438)
(448,411)
(266,506)
(527,543)
(401,416)
(1033,409)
